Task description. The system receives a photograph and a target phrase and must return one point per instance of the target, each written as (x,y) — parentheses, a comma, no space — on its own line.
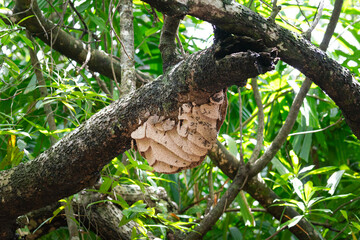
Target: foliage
(316,172)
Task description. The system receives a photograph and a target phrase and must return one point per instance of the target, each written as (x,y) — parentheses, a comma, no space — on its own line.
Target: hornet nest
(170,146)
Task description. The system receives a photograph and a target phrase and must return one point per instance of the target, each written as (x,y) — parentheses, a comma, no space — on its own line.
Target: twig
(260,130)
(275,11)
(341,231)
(215,213)
(264,106)
(240,124)
(73,231)
(332,24)
(81,19)
(88,55)
(180,45)
(239,209)
(258,165)
(276,233)
(307,34)
(102,85)
(112,45)
(210,198)
(344,204)
(318,130)
(302,13)
(325,225)
(259,190)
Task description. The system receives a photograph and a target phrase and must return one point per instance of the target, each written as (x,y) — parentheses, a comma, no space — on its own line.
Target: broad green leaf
(279,166)
(292,222)
(31,86)
(12,65)
(235,233)
(231,145)
(245,210)
(298,187)
(345,215)
(334,180)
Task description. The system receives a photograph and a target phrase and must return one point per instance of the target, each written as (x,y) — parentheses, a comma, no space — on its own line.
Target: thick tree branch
(55,173)
(295,50)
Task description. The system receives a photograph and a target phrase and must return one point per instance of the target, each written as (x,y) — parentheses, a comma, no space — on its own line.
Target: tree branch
(260,130)
(107,133)
(257,165)
(258,189)
(167,44)
(127,52)
(64,43)
(295,50)
(332,24)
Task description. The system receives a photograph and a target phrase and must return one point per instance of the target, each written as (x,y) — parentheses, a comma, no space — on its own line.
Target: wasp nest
(169,147)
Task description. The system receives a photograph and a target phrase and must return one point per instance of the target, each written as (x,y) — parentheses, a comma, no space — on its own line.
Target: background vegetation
(316,171)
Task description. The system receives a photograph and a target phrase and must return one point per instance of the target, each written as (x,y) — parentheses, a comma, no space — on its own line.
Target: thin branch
(102,85)
(112,47)
(332,24)
(241,129)
(318,130)
(302,13)
(275,10)
(211,198)
(307,34)
(276,233)
(260,130)
(252,210)
(257,165)
(264,106)
(341,231)
(258,189)
(344,204)
(127,53)
(214,215)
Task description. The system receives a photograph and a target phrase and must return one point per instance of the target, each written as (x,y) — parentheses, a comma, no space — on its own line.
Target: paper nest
(169,147)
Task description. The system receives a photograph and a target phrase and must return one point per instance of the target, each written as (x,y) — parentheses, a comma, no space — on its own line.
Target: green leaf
(334,180)
(322,170)
(292,222)
(298,187)
(31,86)
(235,233)
(231,145)
(245,210)
(345,215)
(27,41)
(279,166)
(84,6)
(12,65)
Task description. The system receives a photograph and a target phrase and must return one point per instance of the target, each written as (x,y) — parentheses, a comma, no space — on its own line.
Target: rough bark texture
(258,189)
(127,51)
(90,221)
(75,161)
(104,218)
(295,50)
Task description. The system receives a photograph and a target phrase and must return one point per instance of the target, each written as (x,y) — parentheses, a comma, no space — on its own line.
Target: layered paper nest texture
(170,146)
